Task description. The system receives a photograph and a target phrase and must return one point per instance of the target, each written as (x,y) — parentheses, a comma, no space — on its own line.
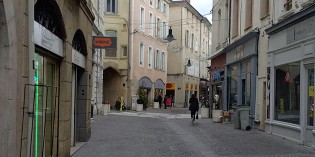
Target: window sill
(264,17)
(248,27)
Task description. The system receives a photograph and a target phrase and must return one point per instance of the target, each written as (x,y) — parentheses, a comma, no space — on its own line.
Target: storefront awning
(145,82)
(159,84)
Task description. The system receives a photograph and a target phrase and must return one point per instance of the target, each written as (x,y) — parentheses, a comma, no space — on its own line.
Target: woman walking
(193,107)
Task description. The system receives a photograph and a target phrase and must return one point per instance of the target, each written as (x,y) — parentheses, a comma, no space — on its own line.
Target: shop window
(310,97)
(287,93)
(232,86)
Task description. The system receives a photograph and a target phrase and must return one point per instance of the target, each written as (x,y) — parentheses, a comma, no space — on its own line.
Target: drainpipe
(130,48)
(31,72)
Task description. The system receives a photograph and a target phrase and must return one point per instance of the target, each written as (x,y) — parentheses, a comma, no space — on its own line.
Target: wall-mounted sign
(104,42)
(78,58)
(46,39)
(170,86)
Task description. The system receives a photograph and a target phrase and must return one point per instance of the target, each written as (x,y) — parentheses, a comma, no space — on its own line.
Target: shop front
(241,72)
(144,91)
(290,81)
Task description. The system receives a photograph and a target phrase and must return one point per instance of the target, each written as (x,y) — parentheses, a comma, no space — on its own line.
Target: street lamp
(170,36)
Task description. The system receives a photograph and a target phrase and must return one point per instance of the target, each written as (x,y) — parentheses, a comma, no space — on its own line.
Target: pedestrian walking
(160,100)
(193,107)
(164,101)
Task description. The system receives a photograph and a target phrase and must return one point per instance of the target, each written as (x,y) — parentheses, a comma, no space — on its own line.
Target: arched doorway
(80,77)
(49,33)
(112,85)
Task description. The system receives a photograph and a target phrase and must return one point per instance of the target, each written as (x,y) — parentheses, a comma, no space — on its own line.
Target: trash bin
(244,118)
(106,108)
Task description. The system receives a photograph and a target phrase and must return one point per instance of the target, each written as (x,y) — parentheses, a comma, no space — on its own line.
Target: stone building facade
(46,67)
(193,35)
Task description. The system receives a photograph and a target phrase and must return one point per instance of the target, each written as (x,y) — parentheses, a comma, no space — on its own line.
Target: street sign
(104,42)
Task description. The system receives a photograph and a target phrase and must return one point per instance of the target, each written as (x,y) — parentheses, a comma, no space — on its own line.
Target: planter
(105,109)
(156,105)
(139,107)
(204,112)
(217,116)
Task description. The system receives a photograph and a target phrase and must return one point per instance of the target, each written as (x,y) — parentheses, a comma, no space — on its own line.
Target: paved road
(168,133)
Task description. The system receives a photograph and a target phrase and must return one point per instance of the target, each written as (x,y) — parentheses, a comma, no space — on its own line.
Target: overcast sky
(203,6)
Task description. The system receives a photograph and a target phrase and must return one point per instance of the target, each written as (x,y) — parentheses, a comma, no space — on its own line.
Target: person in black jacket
(194,106)
(160,100)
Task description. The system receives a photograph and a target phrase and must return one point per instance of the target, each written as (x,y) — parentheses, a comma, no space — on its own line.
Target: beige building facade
(192,32)
(115,60)
(148,49)
(46,63)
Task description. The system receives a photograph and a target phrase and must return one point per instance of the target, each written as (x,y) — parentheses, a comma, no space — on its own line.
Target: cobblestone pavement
(170,133)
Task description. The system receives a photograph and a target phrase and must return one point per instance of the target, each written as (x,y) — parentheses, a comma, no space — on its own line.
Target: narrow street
(157,133)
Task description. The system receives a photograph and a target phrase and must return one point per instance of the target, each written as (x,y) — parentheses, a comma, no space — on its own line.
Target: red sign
(104,42)
(170,86)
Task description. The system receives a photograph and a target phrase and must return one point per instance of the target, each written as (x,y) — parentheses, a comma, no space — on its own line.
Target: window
(249,13)
(111,6)
(288,5)
(163,61)
(232,86)
(142,19)
(124,51)
(187,38)
(287,93)
(141,55)
(235,18)
(156,59)
(151,24)
(192,41)
(151,3)
(219,28)
(110,52)
(264,8)
(150,55)
(158,5)
(164,8)
(196,44)
(158,28)
(164,30)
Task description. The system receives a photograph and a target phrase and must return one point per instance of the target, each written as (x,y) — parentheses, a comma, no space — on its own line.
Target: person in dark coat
(164,101)
(194,106)
(160,100)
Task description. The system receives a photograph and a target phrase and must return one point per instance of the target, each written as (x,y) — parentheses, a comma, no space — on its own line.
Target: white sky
(203,6)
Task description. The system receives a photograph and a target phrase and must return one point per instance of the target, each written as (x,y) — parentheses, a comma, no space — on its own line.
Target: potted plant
(156,102)
(140,103)
(204,110)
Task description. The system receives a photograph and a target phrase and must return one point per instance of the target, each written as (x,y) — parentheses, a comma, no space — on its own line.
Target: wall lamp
(170,36)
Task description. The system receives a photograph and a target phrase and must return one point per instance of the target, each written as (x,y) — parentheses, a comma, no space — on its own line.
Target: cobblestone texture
(132,134)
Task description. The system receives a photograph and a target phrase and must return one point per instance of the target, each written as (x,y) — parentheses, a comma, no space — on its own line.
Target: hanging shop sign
(159,84)
(145,82)
(78,58)
(104,42)
(191,87)
(196,87)
(170,86)
(46,39)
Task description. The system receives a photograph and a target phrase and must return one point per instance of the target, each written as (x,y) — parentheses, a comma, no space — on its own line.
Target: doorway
(78,103)
(310,106)
(44,130)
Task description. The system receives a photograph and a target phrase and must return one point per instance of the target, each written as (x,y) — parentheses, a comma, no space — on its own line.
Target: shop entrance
(78,102)
(310,106)
(45,106)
